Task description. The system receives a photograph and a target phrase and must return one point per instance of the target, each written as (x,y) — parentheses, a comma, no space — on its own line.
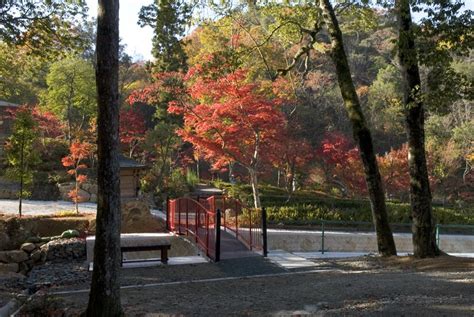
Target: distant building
(130,177)
(6,122)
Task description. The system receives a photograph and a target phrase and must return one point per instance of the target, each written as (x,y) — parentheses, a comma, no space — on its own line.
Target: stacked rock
(31,254)
(21,261)
(64,249)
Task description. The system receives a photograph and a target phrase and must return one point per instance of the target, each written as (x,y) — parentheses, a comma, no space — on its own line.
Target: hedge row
(307,207)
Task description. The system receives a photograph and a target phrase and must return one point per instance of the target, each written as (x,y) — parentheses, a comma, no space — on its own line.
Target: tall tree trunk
(76,200)
(385,242)
(254,183)
(22,174)
(424,240)
(104,297)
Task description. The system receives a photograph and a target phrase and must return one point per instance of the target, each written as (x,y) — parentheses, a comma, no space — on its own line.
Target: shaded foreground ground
(255,287)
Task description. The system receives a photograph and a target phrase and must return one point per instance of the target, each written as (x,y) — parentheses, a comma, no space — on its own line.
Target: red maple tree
(231,120)
(394,170)
(342,163)
(132,129)
(79,151)
(49,124)
(293,154)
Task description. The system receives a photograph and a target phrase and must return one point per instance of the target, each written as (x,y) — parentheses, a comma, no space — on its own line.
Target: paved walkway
(44,207)
(39,207)
(232,248)
(299,260)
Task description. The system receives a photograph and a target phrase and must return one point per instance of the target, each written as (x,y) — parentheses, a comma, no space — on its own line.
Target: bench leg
(121,259)
(164,255)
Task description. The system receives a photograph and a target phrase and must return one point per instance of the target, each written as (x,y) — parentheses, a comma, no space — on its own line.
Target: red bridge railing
(198,218)
(243,222)
(190,217)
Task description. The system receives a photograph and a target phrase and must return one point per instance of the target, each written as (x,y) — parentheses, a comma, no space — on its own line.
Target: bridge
(220,226)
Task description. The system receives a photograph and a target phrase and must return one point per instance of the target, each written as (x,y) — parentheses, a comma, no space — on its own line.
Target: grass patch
(67,213)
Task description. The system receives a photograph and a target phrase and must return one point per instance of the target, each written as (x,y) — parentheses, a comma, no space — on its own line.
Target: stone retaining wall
(31,254)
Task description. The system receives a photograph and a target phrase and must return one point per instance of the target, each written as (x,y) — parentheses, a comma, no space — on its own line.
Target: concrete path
(298,260)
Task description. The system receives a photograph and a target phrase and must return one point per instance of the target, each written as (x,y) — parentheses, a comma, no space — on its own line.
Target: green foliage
(191,177)
(21,75)
(297,213)
(306,207)
(71,93)
(20,153)
(42,27)
(177,184)
(168,18)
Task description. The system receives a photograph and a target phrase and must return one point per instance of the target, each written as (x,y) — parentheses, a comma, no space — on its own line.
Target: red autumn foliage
(232,120)
(165,86)
(79,151)
(132,129)
(394,170)
(293,155)
(47,123)
(342,163)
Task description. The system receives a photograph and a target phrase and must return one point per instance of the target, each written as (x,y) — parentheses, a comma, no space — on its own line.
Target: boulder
(63,250)
(36,255)
(4,240)
(34,239)
(9,267)
(15,256)
(28,247)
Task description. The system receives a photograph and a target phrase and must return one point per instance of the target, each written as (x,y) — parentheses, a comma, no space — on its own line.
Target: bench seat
(164,247)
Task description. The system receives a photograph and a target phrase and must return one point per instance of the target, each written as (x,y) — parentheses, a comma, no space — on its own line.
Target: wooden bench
(155,247)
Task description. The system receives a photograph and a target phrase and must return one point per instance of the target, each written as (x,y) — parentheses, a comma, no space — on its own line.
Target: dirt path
(365,286)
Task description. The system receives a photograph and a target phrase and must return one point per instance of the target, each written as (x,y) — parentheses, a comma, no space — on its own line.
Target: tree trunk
(22,174)
(424,240)
(254,183)
(104,297)
(362,136)
(76,201)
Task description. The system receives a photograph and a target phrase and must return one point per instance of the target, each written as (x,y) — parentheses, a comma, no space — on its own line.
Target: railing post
(264,232)
(179,215)
(168,224)
(187,216)
(250,228)
(322,237)
(218,235)
(437,235)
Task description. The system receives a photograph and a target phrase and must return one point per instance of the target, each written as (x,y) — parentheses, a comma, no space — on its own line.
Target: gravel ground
(364,286)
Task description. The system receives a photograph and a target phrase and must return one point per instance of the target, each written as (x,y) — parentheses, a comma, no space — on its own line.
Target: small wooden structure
(129,177)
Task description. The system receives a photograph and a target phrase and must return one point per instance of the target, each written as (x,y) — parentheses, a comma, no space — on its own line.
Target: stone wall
(14,231)
(87,191)
(8,189)
(31,254)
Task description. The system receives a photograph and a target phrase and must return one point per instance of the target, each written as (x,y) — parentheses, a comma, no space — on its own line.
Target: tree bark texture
(361,133)
(104,297)
(424,238)
(255,191)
